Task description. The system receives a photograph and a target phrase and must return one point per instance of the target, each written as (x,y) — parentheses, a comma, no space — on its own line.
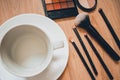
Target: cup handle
(58,44)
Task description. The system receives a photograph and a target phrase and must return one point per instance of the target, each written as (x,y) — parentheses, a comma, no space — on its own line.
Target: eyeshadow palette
(59,8)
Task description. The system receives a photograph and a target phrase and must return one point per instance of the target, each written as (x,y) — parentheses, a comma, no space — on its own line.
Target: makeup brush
(109,27)
(99,57)
(82,58)
(85,50)
(83,21)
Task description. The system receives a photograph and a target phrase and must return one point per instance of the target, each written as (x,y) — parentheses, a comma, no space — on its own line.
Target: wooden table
(75,69)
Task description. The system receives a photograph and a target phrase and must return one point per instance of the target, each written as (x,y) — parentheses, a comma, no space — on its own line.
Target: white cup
(27,50)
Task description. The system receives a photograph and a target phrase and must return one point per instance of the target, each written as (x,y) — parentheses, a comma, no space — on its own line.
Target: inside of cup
(25,49)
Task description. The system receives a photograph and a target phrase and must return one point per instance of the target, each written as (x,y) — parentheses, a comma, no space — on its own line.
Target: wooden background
(75,69)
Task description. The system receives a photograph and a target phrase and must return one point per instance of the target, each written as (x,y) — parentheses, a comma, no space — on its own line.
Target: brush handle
(85,50)
(109,27)
(99,58)
(83,61)
(103,43)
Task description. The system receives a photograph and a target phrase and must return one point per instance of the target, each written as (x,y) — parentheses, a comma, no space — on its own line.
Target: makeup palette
(59,8)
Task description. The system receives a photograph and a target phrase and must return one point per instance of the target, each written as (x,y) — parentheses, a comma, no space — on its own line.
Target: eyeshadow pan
(49,7)
(55,1)
(70,4)
(48,1)
(56,6)
(64,5)
(69,0)
(63,0)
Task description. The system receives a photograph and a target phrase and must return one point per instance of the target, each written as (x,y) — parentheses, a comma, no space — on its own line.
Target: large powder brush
(83,21)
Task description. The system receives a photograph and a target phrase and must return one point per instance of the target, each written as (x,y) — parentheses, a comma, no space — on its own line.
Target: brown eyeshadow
(56,6)
(48,1)
(69,0)
(70,4)
(55,1)
(64,5)
(49,7)
(63,0)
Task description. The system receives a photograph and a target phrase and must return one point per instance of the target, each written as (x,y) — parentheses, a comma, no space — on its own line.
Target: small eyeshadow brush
(82,58)
(99,58)
(83,21)
(85,50)
(109,27)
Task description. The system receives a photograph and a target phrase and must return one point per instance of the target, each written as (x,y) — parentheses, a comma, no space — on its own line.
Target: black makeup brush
(82,58)
(109,27)
(85,50)
(83,21)
(99,58)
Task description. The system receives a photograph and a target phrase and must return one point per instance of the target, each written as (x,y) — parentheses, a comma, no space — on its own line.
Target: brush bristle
(74,27)
(71,39)
(81,17)
(85,34)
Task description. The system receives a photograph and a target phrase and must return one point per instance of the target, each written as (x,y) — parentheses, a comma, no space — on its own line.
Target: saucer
(60,56)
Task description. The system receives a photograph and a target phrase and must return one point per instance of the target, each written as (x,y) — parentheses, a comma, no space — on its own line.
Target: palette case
(55,9)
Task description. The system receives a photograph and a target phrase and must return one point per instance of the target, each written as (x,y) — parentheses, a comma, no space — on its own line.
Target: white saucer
(60,57)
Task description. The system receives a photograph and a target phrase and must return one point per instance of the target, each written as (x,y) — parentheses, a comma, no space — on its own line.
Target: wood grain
(75,69)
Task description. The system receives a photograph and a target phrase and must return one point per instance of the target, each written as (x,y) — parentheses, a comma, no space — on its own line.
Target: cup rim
(39,70)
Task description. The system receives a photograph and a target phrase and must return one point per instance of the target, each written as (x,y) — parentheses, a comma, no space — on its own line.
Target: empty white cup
(27,50)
